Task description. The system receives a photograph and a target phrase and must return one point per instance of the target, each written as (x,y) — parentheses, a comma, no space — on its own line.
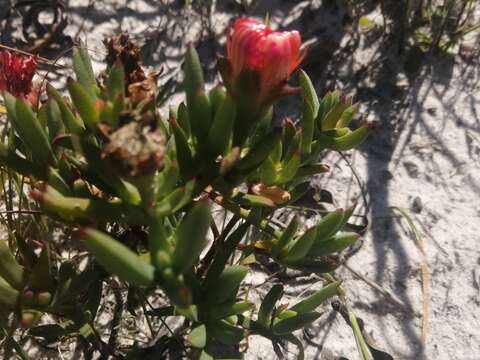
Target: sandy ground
(423,159)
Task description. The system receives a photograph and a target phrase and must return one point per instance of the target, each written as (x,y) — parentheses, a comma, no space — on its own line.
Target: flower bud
(270,55)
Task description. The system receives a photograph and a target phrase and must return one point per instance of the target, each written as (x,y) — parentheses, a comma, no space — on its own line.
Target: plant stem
(244,214)
(357,331)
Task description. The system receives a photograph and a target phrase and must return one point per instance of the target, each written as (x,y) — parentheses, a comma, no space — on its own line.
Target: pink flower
(16,73)
(273,56)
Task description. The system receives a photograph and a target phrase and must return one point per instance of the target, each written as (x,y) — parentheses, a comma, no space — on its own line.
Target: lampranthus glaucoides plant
(106,164)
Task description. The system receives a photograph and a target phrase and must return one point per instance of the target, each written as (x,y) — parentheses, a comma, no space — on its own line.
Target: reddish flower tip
(274,55)
(80,233)
(16,73)
(37,195)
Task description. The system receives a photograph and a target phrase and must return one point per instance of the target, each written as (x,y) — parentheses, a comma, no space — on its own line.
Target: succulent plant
(104,161)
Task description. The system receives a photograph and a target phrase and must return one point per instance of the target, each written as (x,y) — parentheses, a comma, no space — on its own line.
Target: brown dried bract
(120,48)
(144,90)
(274,193)
(135,149)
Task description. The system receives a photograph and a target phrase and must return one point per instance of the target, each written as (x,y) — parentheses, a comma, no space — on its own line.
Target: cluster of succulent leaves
(106,163)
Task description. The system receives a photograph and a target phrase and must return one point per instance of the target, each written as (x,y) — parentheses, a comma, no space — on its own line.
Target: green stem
(361,345)
(357,332)
(245,214)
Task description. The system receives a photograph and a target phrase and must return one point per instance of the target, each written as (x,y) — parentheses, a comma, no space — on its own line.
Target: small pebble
(411,168)
(417,205)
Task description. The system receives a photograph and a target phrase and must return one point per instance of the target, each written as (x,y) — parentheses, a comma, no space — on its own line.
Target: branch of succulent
(105,162)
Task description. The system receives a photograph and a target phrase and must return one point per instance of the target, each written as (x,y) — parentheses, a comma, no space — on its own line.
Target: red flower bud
(16,73)
(272,56)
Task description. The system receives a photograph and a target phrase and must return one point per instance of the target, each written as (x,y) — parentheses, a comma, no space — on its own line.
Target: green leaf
(198,337)
(230,280)
(312,302)
(10,159)
(346,216)
(160,249)
(84,103)
(287,236)
(296,322)
(311,106)
(10,269)
(77,209)
(116,81)
(289,169)
(117,258)
(225,333)
(221,131)
(222,311)
(175,200)
(73,123)
(268,304)
(29,129)
(217,96)
(42,277)
(335,244)
(96,170)
(184,119)
(268,171)
(298,191)
(328,102)
(221,257)
(347,116)
(337,132)
(260,151)
(54,119)
(346,142)
(117,108)
(198,103)
(83,70)
(308,92)
(8,295)
(310,170)
(175,288)
(205,356)
(300,248)
(191,237)
(294,146)
(289,131)
(57,182)
(329,225)
(193,74)
(334,115)
(184,153)
(166,180)
(256,200)
(276,153)
(308,126)
(314,266)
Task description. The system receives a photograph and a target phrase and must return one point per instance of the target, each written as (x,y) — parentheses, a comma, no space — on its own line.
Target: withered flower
(120,48)
(135,149)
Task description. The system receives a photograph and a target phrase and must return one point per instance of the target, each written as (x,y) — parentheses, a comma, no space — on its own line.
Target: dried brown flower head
(135,149)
